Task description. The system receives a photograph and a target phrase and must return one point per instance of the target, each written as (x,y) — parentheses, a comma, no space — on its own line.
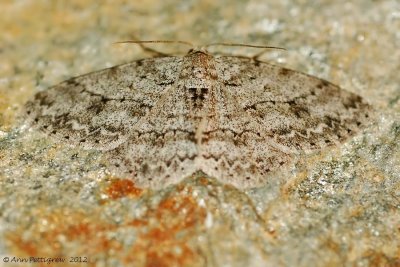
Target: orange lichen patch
(122,188)
(204,181)
(332,245)
(356,211)
(163,234)
(169,227)
(27,247)
(377,258)
(138,222)
(51,233)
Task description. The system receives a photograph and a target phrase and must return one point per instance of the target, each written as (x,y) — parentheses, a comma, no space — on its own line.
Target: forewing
(296,110)
(99,109)
(280,113)
(162,148)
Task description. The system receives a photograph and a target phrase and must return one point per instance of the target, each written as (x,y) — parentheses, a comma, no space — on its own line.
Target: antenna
(154,41)
(192,46)
(245,45)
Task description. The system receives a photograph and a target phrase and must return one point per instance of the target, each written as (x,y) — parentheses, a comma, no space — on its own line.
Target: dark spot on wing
(352,101)
(72,82)
(42,97)
(299,111)
(285,72)
(322,84)
(145,169)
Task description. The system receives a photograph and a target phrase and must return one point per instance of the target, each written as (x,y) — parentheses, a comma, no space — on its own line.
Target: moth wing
(297,110)
(271,114)
(99,109)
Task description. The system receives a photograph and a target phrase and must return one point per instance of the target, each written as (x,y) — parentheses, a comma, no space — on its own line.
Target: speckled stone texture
(337,207)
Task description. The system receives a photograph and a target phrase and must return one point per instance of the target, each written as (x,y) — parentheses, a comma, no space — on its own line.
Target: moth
(159,120)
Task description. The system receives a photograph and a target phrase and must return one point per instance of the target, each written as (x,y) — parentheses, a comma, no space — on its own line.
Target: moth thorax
(197,92)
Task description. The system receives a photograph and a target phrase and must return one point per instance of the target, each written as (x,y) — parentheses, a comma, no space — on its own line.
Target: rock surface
(339,207)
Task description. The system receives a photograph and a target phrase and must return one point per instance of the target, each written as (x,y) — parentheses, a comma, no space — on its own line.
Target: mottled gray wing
(273,114)
(98,110)
(162,148)
(297,110)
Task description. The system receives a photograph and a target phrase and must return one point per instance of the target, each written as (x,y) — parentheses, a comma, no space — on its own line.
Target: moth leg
(153,52)
(256,57)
